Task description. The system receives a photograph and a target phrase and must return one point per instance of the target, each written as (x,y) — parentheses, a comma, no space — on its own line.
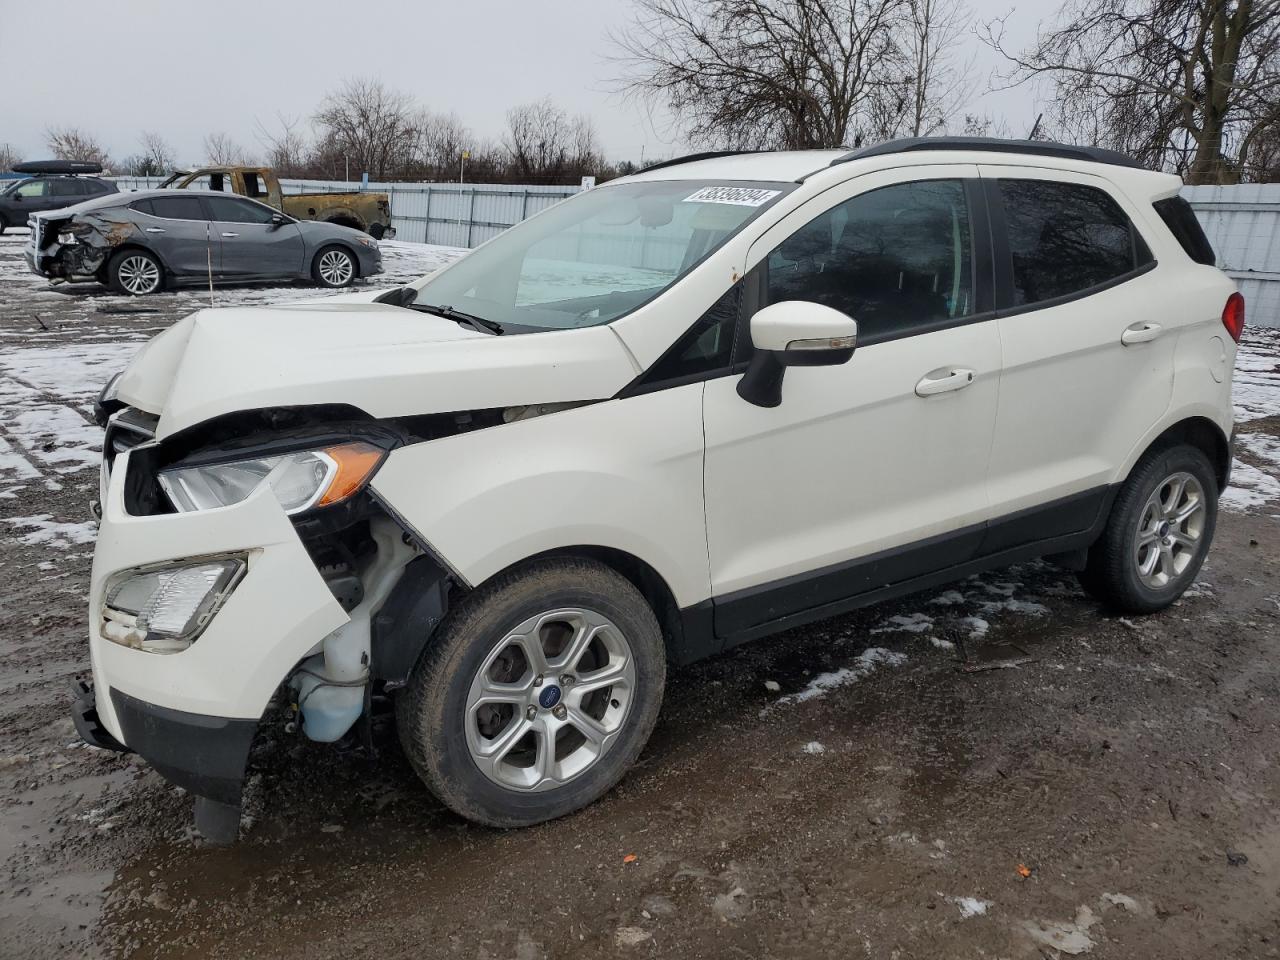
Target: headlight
(300,481)
(164,609)
(66,238)
(368,242)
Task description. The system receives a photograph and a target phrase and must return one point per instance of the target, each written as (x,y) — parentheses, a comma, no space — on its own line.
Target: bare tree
(9,155)
(439,140)
(221,151)
(761,73)
(286,148)
(940,82)
(72,143)
(1189,85)
(154,159)
(540,140)
(369,124)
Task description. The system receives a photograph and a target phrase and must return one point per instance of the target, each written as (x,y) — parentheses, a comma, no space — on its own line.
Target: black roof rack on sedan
(690,158)
(1042,148)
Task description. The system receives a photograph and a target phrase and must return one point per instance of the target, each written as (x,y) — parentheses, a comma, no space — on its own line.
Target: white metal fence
(452,214)
(1243,222)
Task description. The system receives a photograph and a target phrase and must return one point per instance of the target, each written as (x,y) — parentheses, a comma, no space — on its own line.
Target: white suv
(717,399)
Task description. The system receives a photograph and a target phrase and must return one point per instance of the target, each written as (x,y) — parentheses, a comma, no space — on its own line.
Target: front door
(253,246)
(873,472)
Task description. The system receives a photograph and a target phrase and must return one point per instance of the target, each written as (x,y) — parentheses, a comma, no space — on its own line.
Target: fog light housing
(164,609)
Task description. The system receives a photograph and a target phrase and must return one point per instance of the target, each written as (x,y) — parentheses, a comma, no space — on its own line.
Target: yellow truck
(370,212)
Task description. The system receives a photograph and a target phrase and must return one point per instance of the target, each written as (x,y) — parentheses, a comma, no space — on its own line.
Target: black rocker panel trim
(1071,523)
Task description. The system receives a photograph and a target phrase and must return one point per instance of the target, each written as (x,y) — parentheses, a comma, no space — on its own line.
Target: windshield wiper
(476,323)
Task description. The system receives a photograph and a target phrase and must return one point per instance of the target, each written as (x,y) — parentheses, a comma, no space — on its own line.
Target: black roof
(1042,148)
(57,167)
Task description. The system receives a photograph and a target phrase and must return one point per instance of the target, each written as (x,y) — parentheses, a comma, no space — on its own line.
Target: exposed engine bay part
(405,623)
(330,684)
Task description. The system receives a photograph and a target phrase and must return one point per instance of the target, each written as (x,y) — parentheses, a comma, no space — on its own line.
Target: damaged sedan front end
(68,246)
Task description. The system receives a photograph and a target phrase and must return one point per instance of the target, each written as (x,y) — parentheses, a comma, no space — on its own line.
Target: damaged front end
(69,247)
(246,563)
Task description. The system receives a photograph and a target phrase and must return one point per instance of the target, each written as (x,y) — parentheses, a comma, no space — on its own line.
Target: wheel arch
(141,248)
(1203,434)
(347,220)
(686,633)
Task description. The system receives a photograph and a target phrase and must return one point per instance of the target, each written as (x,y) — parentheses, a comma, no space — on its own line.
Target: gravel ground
(840,790)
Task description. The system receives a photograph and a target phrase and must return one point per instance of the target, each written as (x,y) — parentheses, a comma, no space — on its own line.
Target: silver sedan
(139,243)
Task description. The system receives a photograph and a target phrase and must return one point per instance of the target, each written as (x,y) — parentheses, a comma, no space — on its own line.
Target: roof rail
(1042,148)
(690,158)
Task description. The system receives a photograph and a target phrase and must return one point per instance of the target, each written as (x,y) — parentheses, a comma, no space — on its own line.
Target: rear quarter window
(1182,222)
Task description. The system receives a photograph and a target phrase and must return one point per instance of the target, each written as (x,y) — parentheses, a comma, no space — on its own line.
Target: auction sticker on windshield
(739,196)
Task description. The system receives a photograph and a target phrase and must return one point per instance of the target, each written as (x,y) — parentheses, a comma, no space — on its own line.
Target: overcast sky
(184,69)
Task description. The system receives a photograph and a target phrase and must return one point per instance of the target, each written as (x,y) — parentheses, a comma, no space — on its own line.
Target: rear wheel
(376,231)
(334,267)
(1159,532)
(536,695)
(4,224)
(135,273)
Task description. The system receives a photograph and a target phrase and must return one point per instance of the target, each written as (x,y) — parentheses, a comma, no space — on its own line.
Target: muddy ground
(842,790)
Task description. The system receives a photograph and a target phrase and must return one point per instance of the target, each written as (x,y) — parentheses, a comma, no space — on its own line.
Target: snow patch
(970,906)
(1250,488)
(813,746)
(915,623)
(44,530)
(865,665)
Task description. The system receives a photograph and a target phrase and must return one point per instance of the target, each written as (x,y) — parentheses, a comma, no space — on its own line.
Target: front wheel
(135,273)
(334,267)
(1158,534)
(536,695)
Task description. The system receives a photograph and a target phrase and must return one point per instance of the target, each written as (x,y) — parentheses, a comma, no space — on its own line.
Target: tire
(4,225)
(328,270)
(135,273)
(1161,487)
(376,231)
(444,733)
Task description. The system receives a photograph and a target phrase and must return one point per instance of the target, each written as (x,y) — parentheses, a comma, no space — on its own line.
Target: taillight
(1233,316)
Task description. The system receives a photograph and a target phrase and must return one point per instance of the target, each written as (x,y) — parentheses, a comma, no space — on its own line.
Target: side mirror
(794,333)
(278,220)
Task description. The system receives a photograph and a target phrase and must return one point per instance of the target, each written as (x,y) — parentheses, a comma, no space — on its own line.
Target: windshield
(598,255)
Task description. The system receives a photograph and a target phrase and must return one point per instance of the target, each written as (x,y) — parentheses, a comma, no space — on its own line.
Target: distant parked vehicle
(51,184)
(139,243)
(360,210)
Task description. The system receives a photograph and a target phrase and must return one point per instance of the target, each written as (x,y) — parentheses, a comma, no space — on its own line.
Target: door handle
(155,229)
(1140,333)
(944,380)
(231,234)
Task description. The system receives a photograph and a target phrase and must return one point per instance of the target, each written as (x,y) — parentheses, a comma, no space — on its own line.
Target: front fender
(624,474)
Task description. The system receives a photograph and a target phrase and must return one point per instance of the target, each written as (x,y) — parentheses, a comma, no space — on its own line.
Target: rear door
(873,472)
(179,231)
(1088,353)
(253,246)
(63,192)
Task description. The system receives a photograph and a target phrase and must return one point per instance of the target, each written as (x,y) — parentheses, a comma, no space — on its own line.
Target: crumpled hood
(382,359)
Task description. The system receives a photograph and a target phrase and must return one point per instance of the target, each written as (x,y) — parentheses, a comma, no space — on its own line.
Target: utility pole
(462,171)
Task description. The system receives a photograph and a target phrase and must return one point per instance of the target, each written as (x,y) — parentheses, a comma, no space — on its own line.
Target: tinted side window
(142,206)
(1065,238)
(177,208)
(707,346)
(1181,220)
(237,211)
(895,259)
(64,187)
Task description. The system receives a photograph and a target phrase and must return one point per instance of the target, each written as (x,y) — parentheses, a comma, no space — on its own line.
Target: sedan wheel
(334,267)
(135,273)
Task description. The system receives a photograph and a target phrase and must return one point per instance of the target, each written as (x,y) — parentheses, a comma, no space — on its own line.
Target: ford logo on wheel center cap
(549,697)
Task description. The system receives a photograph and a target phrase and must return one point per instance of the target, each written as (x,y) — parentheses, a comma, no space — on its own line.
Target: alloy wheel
(336,268)
(550,699)
(139,274)
(1170,530)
